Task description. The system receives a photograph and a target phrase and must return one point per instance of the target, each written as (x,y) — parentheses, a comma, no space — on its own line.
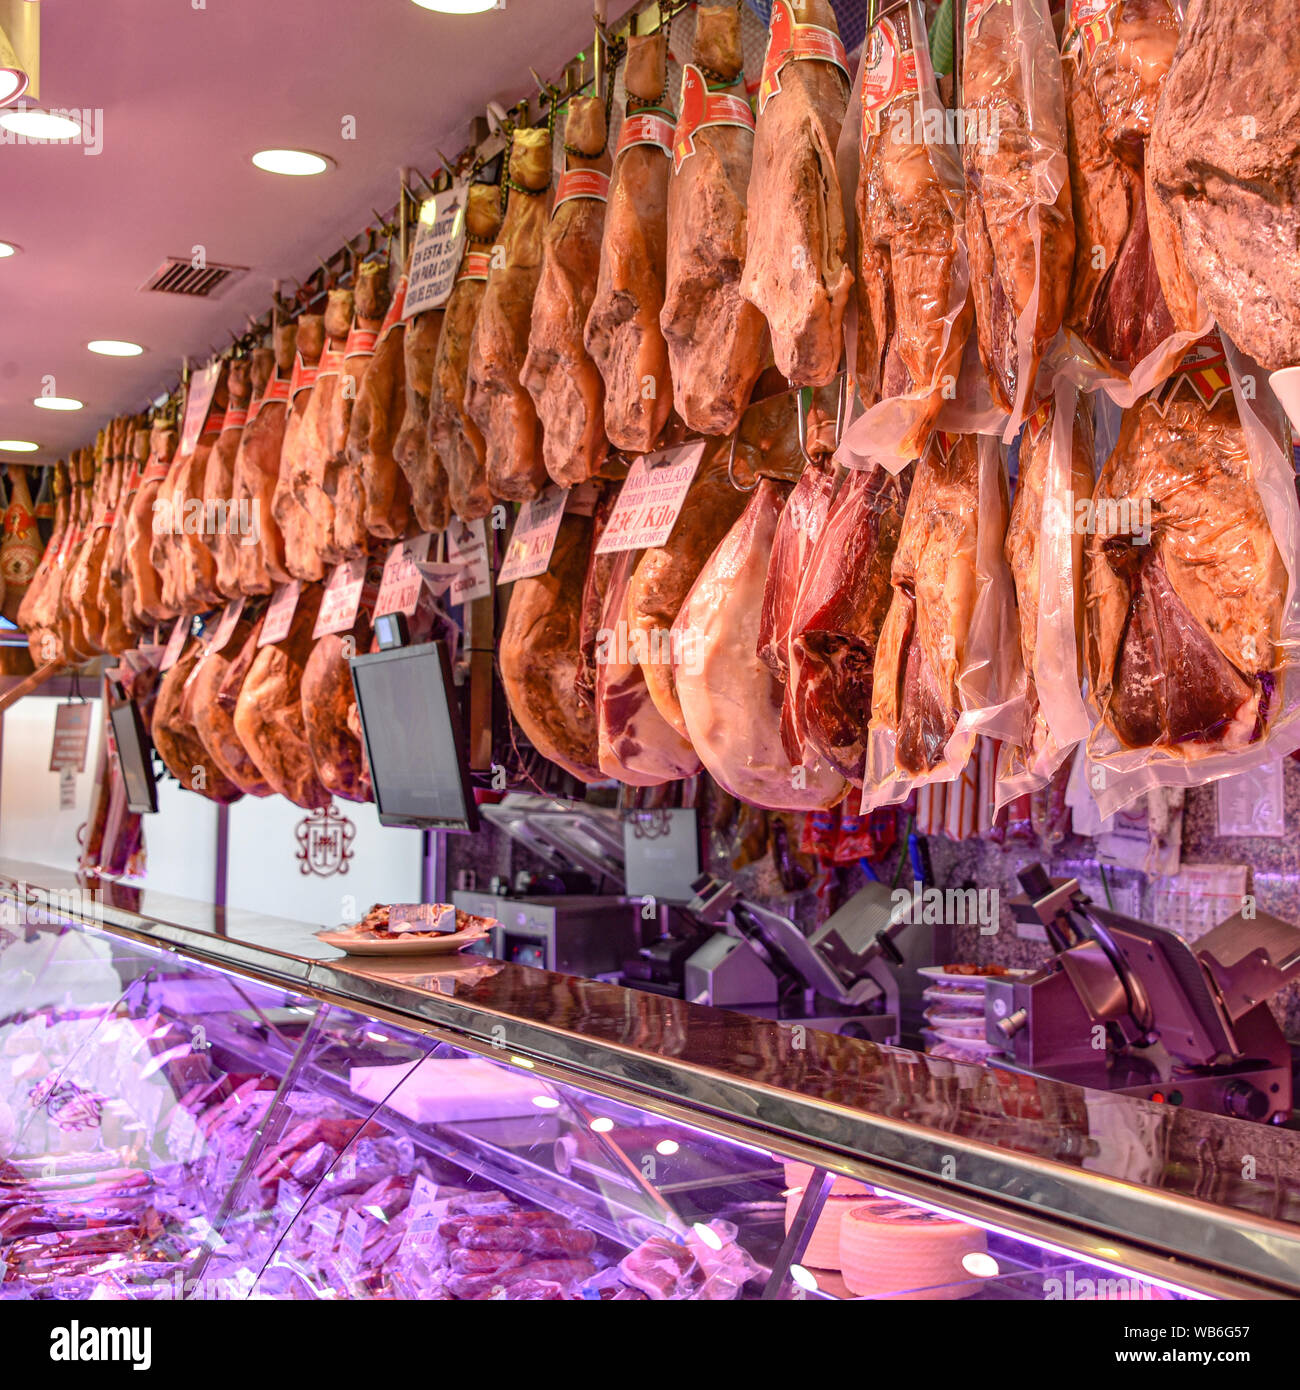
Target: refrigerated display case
(198,1103)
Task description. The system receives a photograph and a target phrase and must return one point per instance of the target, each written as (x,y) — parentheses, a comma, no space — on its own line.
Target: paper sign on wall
(342,598)
(203,386)
(439,241)
(533,539)
(1252,803)
(175,644)
(650,499)
(467,547)
(279,613)
(399,589)
(71,734)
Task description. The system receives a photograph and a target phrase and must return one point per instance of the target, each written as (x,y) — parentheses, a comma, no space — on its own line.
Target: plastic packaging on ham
(990,680)
(931,308)
(1045,551)
(1120,774)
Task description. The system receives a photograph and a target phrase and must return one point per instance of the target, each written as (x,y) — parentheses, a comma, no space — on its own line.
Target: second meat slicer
(1128,1006)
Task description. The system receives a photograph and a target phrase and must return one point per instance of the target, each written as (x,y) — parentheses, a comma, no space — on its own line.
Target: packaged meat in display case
(1190,573)
(907,324)
(175,1130)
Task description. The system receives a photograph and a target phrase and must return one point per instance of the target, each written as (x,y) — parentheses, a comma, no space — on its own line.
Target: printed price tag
(287,1202)
(279,613)
(325,1229)
(439,577)
(175,644)
(651,499)
(71,734)
(533,538)
(342,598)
(422,1232)
(439,241)
(424,1193)
(399,589)
(180,1134)
(353,1244)
(227,624)
(467,547)
(67,790)
(203,386)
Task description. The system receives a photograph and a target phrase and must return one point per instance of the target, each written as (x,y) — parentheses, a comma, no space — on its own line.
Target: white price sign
(435,259)
(650,499)
(279,613)
(399,589)
(341,599)
(533,539)
(467,547)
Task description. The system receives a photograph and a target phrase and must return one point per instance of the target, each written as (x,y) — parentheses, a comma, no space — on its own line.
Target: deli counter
(203,1103)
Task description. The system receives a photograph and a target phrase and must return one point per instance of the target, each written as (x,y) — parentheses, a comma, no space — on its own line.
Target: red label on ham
(701,108)
(789,42)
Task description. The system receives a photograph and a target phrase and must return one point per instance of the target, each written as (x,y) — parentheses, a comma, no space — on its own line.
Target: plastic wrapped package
(1191,637)
(907,323)
(1044,548)
(1133,308)
(1019,225)
(947,662)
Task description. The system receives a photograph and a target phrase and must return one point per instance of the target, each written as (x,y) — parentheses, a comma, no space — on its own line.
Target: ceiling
(187,95)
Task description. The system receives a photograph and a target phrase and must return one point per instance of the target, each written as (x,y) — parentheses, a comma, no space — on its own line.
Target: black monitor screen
(133,756)
(414,741)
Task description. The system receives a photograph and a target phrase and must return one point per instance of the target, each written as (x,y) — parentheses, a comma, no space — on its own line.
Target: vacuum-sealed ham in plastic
(1019,226)
(908,320)
(1190,575)
(1133,308)
(947,660)
(1044,548)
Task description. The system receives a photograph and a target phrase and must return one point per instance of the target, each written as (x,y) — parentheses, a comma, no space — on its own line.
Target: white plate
(956,1023)
(405,945)
(971,1001)
(980,1045)
(969,983)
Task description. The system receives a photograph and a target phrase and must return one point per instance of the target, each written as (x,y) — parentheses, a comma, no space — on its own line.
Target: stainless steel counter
(1093,1172)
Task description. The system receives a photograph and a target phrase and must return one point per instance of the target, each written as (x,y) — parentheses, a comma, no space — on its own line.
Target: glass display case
(189,1112)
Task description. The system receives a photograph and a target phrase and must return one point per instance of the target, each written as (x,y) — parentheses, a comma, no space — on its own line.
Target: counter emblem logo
(325,842)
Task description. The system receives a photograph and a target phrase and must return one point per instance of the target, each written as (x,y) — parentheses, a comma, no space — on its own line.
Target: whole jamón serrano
(623,333)
(558,373)
(716,338)
(257,465)
(796,268)
(147,602)
(213,717)
(494,397)
(415,451)
(300,507)
(219,480)
(117,573)
(329,710)
(190,555)
(268,714)
(176,740)
(376,422)
(456,439)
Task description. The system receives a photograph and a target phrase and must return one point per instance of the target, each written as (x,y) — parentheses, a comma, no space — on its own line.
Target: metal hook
(801,416)
(731,465)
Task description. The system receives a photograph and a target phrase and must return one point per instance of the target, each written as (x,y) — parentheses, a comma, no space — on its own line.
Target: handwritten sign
(399,589)
(279,613)
(342,598)
(71,734)
(175,643)
(467,547)
(203,387)
(435,259)
(533,539)
(650,500)
(225,627)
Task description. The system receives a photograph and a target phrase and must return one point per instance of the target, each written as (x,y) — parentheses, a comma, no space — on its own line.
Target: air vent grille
(178,275)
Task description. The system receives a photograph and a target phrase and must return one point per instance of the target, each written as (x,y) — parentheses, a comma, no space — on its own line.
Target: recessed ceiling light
(18,446)
(57,403)
(111,347)
(461,6)
(8,248)
(39,125)
(297,162)
(13,83)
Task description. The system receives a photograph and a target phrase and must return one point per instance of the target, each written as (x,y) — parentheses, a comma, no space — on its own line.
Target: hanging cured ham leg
(730,700)
(796,268)
(494,398)
(716,338)
(456,439)
(623,334)
(414,449)
(558,373)
(257,465)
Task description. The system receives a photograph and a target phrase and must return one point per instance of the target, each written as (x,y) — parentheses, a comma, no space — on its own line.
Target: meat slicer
(1128,1006)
